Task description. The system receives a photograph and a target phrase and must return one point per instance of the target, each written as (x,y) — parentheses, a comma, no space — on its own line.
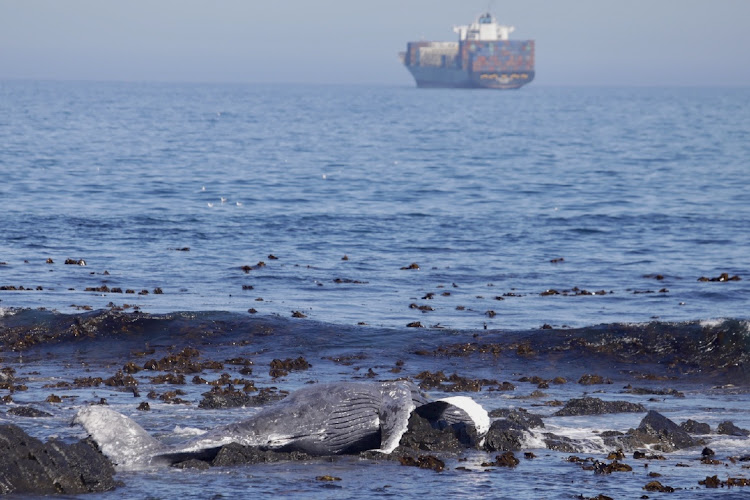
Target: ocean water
(225,209)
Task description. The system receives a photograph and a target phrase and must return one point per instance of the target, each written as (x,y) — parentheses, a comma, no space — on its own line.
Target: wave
(717,349)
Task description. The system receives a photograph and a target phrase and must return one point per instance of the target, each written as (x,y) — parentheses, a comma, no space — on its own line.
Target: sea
(380,232)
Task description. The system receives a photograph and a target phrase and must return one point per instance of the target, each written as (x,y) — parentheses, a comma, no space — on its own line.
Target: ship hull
(455,78)
(502,64)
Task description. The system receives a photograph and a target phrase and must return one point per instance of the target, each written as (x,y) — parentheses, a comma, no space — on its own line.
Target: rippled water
(618,199)
(479,189)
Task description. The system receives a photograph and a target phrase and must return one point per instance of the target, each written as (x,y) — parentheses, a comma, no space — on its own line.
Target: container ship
(483,57)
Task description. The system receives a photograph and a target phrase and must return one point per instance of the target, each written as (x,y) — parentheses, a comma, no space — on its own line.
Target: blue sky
(581,42)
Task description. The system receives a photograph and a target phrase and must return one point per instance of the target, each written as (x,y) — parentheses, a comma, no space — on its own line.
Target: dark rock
(596,406)
(192,464)
(609,468)
(711,482)
(662,433)
(561,443)
(28,411)
(729,429)
(590,379)
(281,368)
(520,416)
(657,486)
(693,427)
(224,398)
(235,454)
(505,435)
(423,462)
(507,459)
(658,392)
(421,435)
(28,466)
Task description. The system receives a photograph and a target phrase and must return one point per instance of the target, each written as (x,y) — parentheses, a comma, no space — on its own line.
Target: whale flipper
(119,437)
(398,403)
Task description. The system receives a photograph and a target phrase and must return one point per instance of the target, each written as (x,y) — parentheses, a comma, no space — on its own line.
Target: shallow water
(636,193)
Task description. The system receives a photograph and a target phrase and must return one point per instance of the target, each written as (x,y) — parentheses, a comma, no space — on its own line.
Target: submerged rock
(29,466)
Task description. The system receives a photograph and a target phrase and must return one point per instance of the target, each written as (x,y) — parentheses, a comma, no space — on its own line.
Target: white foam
(711,323)
(187,431)
(4,311)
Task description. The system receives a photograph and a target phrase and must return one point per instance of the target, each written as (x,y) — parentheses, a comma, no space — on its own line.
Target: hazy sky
(578,42)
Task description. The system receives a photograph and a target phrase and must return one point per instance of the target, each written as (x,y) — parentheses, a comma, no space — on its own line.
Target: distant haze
(581,42)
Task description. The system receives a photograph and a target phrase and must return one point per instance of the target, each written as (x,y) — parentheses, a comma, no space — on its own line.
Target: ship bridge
(485,28)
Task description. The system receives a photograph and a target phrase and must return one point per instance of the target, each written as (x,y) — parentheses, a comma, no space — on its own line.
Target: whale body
(322,419)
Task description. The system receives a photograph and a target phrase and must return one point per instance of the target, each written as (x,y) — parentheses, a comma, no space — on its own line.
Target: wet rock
(692,427)
(657,486)
(413,265)
(711,482)
(169,378)
(421,435)
(327,478)
(729,429)
(131,368)
(453,383)
(590,379)
(29,466)
(640,455)
(281,368)
(27,411)
(596,406)
(609,468)
(224,398)
(520,416)
(192,464)
(120,380)
(561,443)
(298,314)
(235,454)
(507,459)
(661,433)
(423,462)
(505,435)
(657,392)
(721,278)
(415,324)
